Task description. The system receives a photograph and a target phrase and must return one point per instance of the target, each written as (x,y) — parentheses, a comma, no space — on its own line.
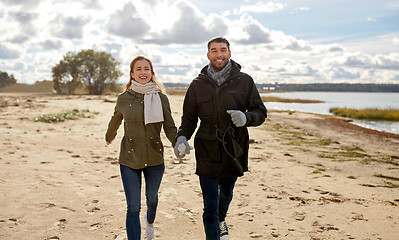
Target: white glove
(239,119)
(182,148)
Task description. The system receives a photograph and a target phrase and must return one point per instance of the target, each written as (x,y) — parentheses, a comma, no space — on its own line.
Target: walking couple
(224,99)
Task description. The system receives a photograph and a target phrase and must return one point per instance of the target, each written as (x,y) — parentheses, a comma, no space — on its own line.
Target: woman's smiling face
(142,72)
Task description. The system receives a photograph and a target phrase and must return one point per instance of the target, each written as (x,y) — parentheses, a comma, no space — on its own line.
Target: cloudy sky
(285,41)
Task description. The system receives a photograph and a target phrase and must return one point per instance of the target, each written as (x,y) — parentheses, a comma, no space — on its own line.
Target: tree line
(6,79)
(330,87)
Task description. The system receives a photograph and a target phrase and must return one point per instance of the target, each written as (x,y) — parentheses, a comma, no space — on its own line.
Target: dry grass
(389,114)
(288,100)
(178,92)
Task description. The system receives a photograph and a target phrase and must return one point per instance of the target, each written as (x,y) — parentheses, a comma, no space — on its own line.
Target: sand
(311,177)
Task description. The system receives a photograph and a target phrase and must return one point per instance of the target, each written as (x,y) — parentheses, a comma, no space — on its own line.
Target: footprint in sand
(121,236)
(61,223)
(52,238)
(299,216)
(95,226)
(167,215)
(93,209)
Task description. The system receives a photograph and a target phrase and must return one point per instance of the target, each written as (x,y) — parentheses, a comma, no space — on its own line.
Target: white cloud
(51,44)
(380,44)
(191,27)
(127,23)
(69,27)
(341,73)
(23,17)
(26,4)
(260,7)
(392,5)
(252,31)
(366,62)
(18,26)
(299,45)
(388,62)
(19,39)
(151,2)
(8,53)
(33,38)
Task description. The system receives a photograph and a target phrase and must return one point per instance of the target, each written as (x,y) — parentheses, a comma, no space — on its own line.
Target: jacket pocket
(205,105)
(206,150)
(235,100)
(156,145)
(235,151)
(127,148)
(130,145)
(133,110)
(234,148)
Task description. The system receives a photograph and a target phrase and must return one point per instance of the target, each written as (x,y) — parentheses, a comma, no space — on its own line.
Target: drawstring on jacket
(222,139)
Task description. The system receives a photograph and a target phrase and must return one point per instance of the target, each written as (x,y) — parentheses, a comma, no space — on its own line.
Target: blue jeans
(217,194)
(131,179)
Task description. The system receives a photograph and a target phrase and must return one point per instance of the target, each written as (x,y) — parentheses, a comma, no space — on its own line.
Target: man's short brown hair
(219,40)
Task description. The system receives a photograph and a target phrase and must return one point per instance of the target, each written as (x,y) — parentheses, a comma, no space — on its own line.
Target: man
(226,101)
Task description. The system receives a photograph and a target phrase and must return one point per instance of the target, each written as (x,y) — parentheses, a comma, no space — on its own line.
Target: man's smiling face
(218,55)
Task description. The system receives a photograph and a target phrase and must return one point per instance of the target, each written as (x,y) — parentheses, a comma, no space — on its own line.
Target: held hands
(182,148)
(239,119)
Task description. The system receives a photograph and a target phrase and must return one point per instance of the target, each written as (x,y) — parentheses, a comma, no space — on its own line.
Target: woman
(145,109)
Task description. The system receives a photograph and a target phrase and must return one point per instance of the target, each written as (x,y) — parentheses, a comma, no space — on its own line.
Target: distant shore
(47,87)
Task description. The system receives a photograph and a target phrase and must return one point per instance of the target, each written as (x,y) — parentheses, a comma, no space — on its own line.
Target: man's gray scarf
(220,76)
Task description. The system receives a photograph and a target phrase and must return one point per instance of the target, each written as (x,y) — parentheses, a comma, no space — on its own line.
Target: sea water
(357,100)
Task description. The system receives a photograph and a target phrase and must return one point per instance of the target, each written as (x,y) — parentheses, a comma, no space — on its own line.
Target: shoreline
(311,177)
(347,123)
(180,93)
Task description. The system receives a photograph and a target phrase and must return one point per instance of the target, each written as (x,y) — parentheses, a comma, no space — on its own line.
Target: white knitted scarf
(153,111)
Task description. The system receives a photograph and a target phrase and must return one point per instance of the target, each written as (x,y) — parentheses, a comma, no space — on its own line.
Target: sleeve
(256,110)
(114,123)
(169,126)
(189,119)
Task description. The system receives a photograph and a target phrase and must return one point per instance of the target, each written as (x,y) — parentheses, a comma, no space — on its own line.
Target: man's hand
(239,119)
(181,148)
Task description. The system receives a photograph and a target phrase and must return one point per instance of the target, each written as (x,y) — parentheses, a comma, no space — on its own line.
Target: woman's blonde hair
(153,78)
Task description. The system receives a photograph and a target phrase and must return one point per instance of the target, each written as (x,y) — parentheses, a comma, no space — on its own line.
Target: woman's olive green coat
(141,144)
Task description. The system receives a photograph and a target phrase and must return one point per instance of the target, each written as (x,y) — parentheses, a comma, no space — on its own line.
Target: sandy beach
(311,177)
